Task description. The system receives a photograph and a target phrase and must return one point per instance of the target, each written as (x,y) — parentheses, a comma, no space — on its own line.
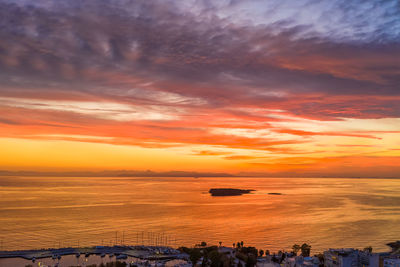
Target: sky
(277,87)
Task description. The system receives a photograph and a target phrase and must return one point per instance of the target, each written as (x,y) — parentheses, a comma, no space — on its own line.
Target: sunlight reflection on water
(42,212)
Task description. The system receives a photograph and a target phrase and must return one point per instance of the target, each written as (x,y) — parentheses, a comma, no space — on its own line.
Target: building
(391,262)
(300,261)
(349,257)
(366,258)
(340,258)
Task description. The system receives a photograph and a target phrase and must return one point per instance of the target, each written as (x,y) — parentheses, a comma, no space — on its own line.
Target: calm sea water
(42,212)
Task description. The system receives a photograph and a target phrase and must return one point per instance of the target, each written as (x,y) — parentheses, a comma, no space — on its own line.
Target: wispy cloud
(280,77)
(101,110)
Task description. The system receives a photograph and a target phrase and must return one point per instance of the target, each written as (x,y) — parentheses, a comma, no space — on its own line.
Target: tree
(283,257)
(194,256)
(261,252)
(238,245)
(215,258)
(368,249)
(251,261)
(241,243)
(220,243)
(231,262)
(321,259)
(305,250)
(274,259)
(203,244)
(267,252)
(233,245)
(119,264)
(204,263)
(296,249)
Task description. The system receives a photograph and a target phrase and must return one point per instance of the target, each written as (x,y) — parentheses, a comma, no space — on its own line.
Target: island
(223,192)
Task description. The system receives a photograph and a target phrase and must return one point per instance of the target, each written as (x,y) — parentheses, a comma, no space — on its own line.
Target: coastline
(197,255)
(141,252)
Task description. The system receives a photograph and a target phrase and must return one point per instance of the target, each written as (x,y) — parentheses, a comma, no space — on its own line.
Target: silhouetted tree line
(305,249)
(212,257)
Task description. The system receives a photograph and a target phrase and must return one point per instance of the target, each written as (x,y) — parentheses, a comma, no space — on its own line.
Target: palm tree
(296,248)
(261,253)
(194,256)
(305,250)
(368,249)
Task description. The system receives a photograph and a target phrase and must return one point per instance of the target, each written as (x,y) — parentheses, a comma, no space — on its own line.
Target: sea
(52,212)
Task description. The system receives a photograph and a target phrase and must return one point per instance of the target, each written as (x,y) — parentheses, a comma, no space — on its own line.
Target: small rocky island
(224,192)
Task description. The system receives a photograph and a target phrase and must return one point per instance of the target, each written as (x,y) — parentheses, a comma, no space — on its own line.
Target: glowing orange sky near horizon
(327,148)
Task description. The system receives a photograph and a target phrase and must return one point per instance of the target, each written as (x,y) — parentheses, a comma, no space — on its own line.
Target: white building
(349,257)
(300,261)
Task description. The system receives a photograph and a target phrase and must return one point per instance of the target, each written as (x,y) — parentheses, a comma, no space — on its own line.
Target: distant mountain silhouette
(118,173)
(149,173)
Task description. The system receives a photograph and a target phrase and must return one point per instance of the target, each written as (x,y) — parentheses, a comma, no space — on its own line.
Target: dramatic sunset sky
(273,86)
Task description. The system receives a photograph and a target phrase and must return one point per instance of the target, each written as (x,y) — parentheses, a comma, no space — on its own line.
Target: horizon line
(182,174)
